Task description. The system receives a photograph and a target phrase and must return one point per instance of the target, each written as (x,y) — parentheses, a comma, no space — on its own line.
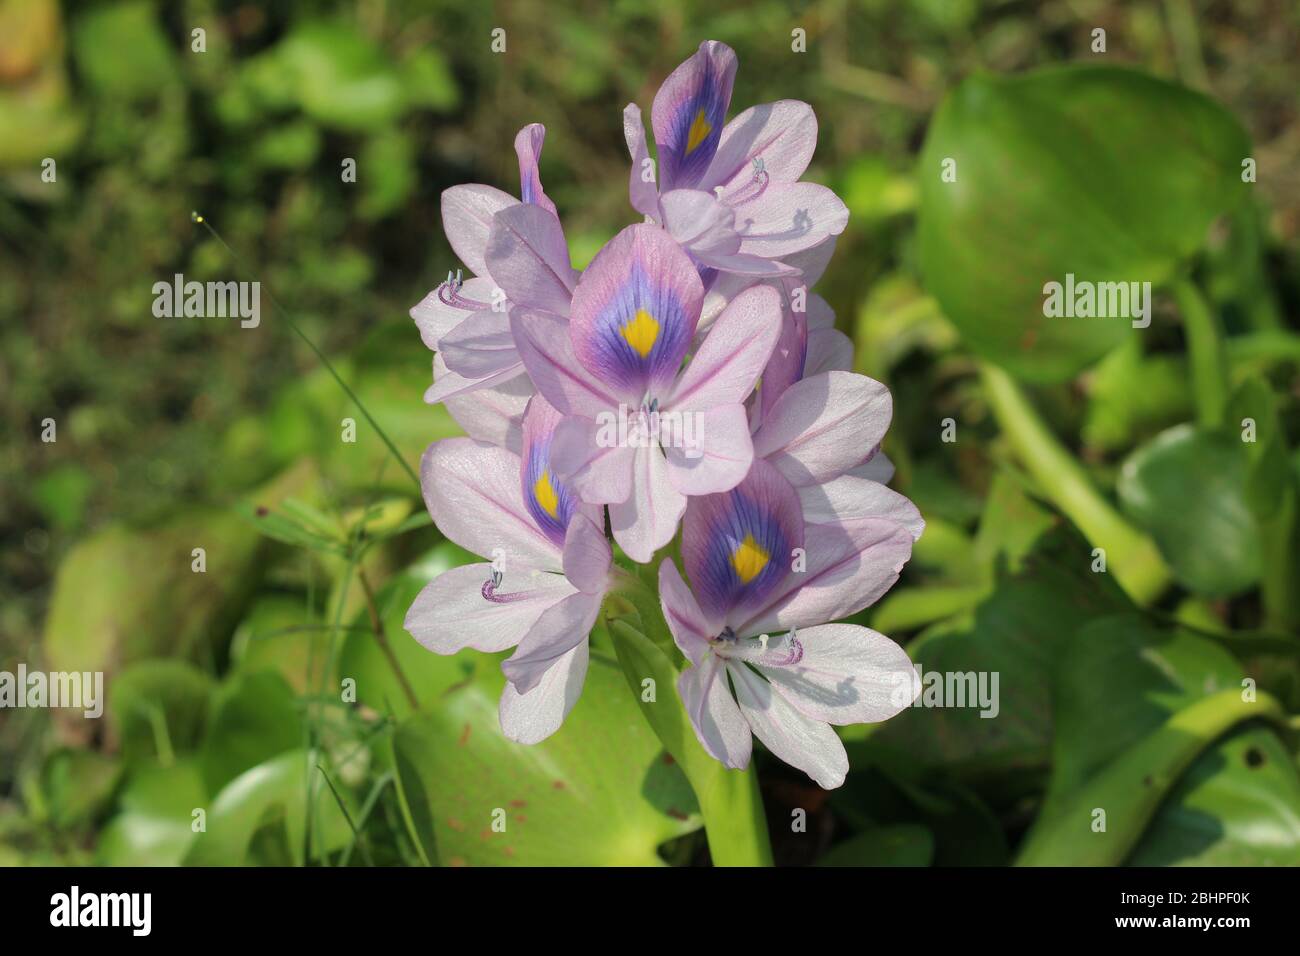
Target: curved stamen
(449,294)
(489,591)
(752,189)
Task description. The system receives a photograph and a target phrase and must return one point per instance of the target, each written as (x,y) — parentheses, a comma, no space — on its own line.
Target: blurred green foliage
(173,435)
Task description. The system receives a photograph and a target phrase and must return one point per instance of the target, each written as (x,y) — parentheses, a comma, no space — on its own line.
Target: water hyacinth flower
(518,255)
(752,624)
(689,381)
(823,435)
(551,566)
(729,192)
(633,319)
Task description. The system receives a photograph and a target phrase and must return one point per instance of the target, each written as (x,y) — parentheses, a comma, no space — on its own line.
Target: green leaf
(77,785)
(390,174)
(298,525)
(599,792)
(428,80)
(339,77)
(1118,680)
(1269,476)
(1135,708)
(1236,806)
(102,34)
(254,717)
(272,799)
(1015,635)
(729,799)
(903,845)
(1103,173)
(154,825)
(159,709)
(1272,493)
(1188,488)
(292,145)
(282,634)
(62,494)
(122,596)
(1132,396)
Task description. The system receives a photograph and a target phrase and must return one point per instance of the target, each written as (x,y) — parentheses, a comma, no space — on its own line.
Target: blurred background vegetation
(175,434)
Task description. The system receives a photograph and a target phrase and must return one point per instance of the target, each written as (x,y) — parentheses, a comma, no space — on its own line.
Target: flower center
(784,650)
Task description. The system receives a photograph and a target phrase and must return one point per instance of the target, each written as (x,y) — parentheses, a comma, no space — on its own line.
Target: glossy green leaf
(1238,805)
(1188,488)
(598,792)
(1140,718)
(154,825)
(272,799)
(1043,589)
(1103,173)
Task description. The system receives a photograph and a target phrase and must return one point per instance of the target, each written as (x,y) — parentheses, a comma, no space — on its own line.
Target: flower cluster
(687,381)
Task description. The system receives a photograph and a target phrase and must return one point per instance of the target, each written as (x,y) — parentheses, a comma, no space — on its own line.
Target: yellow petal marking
(544,494)
(699,132)
(749,559)
(641,333)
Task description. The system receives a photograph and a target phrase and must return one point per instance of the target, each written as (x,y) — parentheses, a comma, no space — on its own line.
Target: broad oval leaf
(599,792)
(273,794)
(1103,173)
(1188,488)
(1152,728)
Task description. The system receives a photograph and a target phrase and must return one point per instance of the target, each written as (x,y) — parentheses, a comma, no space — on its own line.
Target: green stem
(734,821)
(1206,353)
(381,638)
(1281,553)
(1133,556)
(730,801)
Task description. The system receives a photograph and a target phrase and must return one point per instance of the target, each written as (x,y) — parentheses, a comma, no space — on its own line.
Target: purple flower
(823,435)
(518,256)
(551,566)
(763,584)
(619,360)
(729,192)
(677,384)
